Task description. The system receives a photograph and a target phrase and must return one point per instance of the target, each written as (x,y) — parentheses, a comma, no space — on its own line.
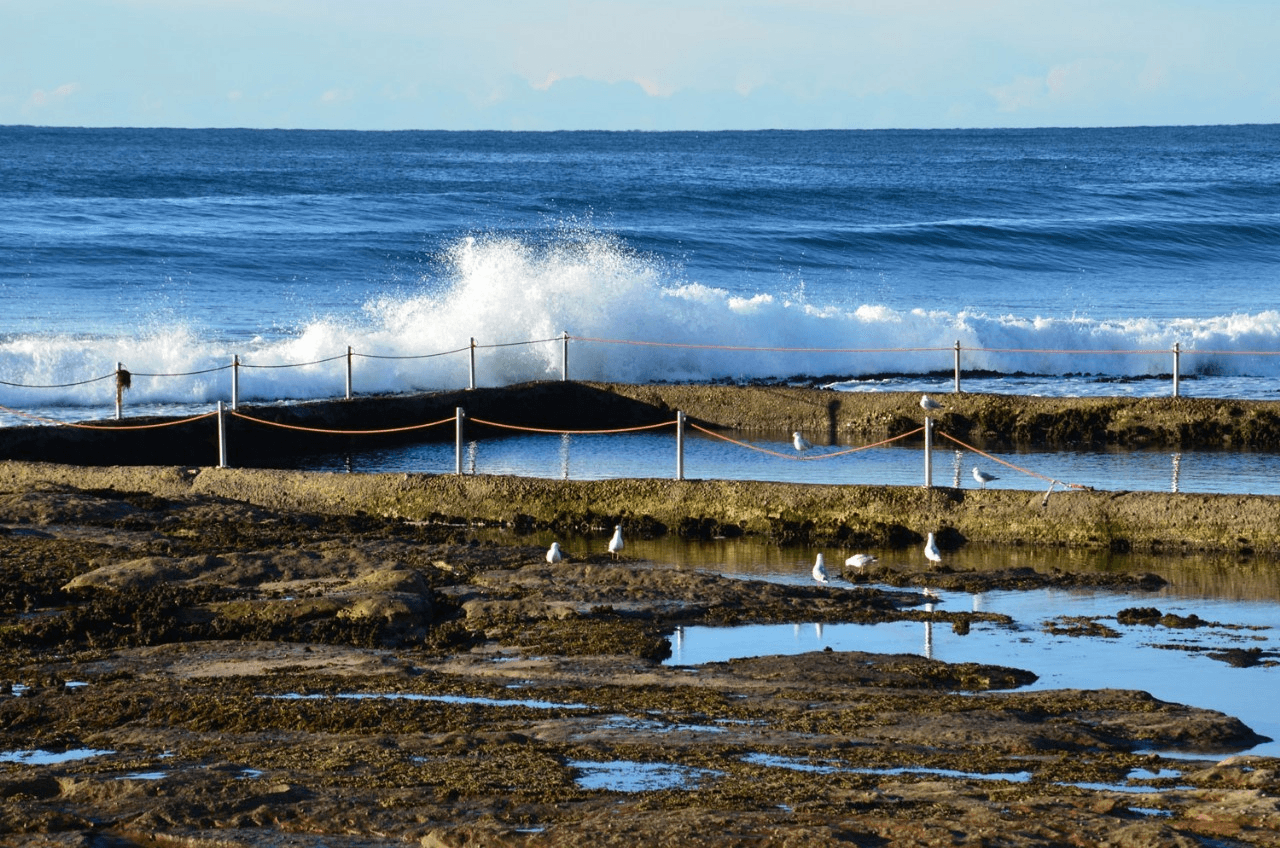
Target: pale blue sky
(638,64)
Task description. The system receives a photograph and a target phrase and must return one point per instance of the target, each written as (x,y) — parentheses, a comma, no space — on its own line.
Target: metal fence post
(679,445)
(122,380)
(235,381)
(957,366)
(472,383)
(1177,355)
(928,452)
(564,356)
(348,372)
(457,450)
(222,437)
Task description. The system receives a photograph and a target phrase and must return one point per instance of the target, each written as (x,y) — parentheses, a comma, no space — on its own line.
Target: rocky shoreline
(250,658)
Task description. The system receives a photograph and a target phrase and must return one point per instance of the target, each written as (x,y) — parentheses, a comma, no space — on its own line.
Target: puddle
(804,765)
(48,758)
(1135,658)
(624,776)
(620,722)
(440,699)
(144,775)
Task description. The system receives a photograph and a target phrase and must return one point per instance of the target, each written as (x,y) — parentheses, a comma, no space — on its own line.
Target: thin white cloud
(40,97)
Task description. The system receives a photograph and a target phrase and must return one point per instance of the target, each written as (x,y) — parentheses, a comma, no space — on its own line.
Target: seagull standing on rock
(928,404)
(615,544)
(983,477)
(800,442)
(820,571)
(931,551)
(553,553)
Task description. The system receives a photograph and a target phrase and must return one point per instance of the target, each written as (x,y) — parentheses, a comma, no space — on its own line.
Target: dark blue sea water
(171,251)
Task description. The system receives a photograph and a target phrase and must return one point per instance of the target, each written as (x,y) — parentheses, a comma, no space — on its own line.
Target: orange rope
(340,432)
(769,349)
(1010,464)
(572,432)
(104,426)
(795,458)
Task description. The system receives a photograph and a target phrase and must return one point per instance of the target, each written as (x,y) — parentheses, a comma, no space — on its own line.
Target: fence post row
(222,437)
(459,416)
(564,356)
(679,445)
(1177,355)
(928,452)
(957,366)
(235,381)
(348,372)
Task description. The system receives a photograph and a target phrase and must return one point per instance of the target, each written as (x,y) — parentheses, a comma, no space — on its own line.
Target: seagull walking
(820,571)
(983,477)
(928,404)
(799,442)
(931,551)
(553,553)
(859,560)
(615,544)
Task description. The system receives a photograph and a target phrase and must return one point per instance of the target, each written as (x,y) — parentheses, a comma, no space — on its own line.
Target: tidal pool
(1171,664)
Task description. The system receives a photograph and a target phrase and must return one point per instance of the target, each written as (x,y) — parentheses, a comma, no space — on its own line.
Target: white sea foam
(515,296)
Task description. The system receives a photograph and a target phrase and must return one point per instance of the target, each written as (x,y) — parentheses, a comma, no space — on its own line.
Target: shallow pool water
(626,776)
(598,457)
(50,758)
(1171,664)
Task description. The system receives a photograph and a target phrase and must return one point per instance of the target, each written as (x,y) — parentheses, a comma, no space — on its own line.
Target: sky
(638,64)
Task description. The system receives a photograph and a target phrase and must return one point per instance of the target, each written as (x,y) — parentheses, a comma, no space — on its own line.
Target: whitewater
(1067,262)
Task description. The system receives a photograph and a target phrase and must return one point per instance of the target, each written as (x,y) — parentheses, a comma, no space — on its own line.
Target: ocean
(1062,261)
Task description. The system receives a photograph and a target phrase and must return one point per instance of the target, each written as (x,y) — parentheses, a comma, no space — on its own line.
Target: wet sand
(277,659)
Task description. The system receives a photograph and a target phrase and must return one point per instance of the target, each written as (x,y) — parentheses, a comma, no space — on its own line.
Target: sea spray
(632,318)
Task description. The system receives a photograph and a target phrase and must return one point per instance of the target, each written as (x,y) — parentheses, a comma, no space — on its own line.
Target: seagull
(820,571)
(931,550)
(859,560)
(928,404)
(800,442)
(615,544)
(983,477)
(553,553)
(931,594)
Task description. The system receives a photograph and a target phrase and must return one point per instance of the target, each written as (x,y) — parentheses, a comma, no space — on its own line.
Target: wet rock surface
(193,669)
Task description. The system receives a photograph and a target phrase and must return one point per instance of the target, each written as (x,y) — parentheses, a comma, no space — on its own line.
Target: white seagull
(983,477)
(800,442)
(859,560)
(928,404)
(553,553)
(931,552)
(615,544)
(820,571)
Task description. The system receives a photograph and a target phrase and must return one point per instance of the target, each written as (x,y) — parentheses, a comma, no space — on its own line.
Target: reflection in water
(955,469)
(564,456)
(472,449)
(1177,467)
(928,636)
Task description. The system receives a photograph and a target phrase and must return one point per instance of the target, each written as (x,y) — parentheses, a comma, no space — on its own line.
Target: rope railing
(112,427)
(333,432)
(564,432)
(460,416)
(123,376)
(1010,465)
(795,457)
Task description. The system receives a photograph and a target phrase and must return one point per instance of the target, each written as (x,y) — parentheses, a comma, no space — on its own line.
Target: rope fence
(680,423)
(123,376)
